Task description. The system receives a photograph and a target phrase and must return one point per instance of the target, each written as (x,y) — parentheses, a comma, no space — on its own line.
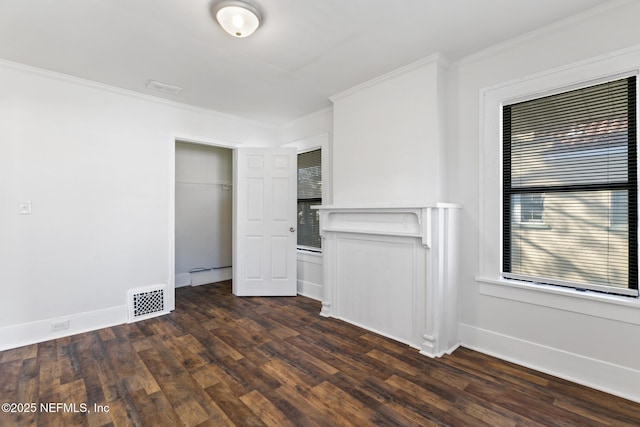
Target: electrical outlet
(60,326)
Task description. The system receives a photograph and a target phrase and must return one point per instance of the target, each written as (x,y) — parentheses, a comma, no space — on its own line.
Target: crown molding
(437,58)
(54,75)
(539,33)
(311,116)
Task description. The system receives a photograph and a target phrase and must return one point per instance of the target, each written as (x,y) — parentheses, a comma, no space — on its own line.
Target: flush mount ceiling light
(238,18)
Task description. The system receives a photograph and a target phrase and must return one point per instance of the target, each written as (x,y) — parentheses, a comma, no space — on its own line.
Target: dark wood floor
(220,360)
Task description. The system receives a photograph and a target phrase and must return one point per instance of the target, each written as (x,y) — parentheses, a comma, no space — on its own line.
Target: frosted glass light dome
(237,18)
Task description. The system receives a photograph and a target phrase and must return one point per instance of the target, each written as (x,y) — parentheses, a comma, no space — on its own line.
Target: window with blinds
(309,194)
(570,189)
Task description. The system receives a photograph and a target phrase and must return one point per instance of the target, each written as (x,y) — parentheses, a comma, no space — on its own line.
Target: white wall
(309,132)
(203,213)
(97,165)
(389,143)
(588,339)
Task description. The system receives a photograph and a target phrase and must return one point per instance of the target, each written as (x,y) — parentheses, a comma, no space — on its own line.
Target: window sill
(308,256)
(610,307)
(312,252)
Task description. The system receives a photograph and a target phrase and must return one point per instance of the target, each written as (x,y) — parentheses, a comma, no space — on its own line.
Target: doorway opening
(203,213)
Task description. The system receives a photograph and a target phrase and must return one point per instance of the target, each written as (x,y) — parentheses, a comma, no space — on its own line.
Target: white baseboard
(598,374)
(310,289)
(183,279)
(35,332)
(211,276)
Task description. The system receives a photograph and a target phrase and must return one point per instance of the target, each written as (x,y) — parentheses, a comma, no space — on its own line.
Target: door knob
(291,229)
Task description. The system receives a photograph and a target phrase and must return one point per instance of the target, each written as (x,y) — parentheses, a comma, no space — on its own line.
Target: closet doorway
(203,213)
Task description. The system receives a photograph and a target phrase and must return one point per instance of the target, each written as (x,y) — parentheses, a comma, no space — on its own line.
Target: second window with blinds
(309,194)
(570,189)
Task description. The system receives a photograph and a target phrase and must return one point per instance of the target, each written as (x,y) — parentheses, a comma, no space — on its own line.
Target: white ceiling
(306,51)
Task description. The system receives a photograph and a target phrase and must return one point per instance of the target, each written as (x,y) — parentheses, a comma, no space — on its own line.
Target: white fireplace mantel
(390,269)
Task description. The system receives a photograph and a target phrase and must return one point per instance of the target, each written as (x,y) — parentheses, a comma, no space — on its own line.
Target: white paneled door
(265,209)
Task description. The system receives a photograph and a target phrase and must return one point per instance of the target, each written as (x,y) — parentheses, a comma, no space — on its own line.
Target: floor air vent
(145,303)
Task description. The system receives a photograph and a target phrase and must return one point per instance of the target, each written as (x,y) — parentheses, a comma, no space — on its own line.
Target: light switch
(24,208)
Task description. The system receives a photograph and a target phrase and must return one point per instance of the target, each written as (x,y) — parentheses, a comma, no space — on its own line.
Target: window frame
(631,186)
(522,219)
(312,143)
(572,75)
(311,200)
(614,224)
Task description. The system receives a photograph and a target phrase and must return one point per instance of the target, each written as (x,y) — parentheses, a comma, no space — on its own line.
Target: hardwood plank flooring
(219,360)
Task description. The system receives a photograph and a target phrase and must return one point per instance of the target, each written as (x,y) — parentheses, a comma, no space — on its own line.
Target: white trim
(309,150)
(312,143)
(292,124)
(182,280)
(310,289)
(608,377)
(171,245)
(313,257)
(386,335)
(390,206)
(540,32)
(436,58)
(605,66)
(202,182)
(597,373)
(127,92)
(490,148)
(308,250)
(173,139)
(205,277)
(610,307)
(35,332)
(207,141)
(447,351)
(543,280)
(425,313)
(573,86)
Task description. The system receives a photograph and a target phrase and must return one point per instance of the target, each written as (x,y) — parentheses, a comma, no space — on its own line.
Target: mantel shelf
(387,207)
(385,220)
